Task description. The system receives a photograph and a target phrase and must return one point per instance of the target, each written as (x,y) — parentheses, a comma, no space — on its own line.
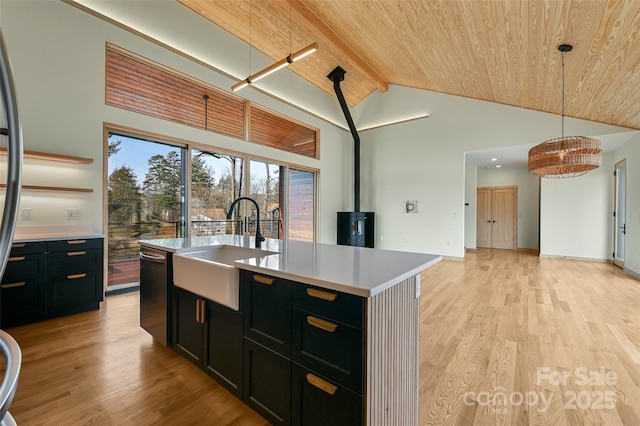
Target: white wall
(527,199)
(58,57)
(576,214)
(424,160)
(631,152)
(471,210)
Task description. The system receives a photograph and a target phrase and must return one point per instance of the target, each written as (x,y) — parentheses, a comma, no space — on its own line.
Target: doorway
(497,217)
(145,187)
(619,212)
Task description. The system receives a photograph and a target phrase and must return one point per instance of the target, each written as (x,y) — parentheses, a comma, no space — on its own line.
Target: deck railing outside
(123,246)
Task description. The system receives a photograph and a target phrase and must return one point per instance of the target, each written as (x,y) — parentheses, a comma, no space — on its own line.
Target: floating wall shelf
(53,157)
(50,188)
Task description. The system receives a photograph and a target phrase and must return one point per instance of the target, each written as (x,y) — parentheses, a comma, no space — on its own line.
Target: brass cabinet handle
(198,311)
(324,295)
(75,276)
(13,285)
(17,259)
(203,311)
(263,280)
(76,253)
(322,324)
(76,241)
(321,384)
(18,245)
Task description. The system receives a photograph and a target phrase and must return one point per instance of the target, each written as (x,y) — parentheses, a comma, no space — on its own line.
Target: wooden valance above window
(271,129)
(145,87)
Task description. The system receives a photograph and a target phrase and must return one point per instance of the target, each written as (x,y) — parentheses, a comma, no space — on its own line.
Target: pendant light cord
(562,55)
(250,26)
(290,43)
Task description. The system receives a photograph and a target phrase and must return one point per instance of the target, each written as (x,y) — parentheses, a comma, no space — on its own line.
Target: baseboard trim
(584,259)
(528,250)
(631,272)
(453,258)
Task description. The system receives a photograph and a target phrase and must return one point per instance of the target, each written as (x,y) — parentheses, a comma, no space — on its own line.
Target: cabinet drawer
(19,248)
(267,383)
(330,303)
(23,302)
(330,347)
(66,294)
(74,262)
(266,305)
(318,401)
(24,267)
(75,244)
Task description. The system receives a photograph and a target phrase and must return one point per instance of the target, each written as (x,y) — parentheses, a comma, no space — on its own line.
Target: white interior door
(620,213)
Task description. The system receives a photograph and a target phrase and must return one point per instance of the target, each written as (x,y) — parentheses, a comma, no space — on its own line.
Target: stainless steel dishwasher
(154,294)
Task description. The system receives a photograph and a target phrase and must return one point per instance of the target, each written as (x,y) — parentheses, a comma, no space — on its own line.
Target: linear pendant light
(293,57)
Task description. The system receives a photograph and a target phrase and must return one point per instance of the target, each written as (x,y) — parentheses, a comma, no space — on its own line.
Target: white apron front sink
(210,272)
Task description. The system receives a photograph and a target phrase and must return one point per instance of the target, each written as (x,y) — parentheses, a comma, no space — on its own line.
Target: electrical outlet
(25,214)
(73,214)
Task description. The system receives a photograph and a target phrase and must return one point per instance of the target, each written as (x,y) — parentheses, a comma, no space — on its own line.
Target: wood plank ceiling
(499,51)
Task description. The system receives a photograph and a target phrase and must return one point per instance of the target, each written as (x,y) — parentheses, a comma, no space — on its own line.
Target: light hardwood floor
(491,322)
(488,324)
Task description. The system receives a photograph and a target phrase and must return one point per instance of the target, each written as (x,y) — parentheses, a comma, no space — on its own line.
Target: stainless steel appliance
(154,292)
(13,130)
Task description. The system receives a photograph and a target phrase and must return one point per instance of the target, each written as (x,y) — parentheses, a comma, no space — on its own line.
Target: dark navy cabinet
(47,279)
(210,336)
(319,401)
(74,276)
(23,287)
(303,352)
(266,303)
(267,383)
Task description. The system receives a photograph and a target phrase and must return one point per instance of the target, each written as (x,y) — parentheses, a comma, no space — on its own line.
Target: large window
(216,180)
(147,198)
(266,189)
(302,200)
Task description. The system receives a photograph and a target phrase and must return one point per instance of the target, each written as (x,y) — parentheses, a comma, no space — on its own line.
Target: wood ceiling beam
(380,82)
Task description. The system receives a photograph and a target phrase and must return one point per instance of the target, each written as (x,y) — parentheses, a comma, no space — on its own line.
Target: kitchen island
(324,334)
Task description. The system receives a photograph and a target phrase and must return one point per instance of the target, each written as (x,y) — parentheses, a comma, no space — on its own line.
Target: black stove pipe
(337,75)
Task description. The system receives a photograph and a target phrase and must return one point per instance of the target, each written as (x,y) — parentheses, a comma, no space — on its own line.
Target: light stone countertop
(355,270)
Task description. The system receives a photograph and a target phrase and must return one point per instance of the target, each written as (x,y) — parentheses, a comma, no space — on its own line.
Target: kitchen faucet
(259,237)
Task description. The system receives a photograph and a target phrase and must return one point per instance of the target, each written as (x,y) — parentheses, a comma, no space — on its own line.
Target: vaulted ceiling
(500,51)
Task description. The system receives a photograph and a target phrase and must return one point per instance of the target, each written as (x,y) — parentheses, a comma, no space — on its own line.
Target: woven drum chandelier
(567,156)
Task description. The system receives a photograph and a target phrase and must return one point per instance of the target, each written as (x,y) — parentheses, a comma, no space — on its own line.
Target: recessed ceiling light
(494,159)
(498,166)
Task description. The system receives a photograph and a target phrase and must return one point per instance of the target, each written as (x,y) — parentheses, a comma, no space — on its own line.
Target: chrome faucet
(259,237)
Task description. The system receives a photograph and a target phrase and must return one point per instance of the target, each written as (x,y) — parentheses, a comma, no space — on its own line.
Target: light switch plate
(73,214)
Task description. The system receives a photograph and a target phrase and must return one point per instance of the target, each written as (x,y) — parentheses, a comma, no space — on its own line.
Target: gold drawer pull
(13,285)
(74,276)
(76,253)
(321,384)
(263,280)
(322,324)
(17,259)
(324,295)
(198,311)
(76,241)
(18,245)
